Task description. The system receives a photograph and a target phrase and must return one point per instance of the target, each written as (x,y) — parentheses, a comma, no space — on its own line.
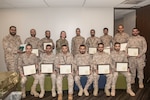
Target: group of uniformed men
(15,60)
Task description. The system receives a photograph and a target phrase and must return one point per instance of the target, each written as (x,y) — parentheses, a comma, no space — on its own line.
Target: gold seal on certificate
(121,66)
(92,50)
(45,44)
(103,69)
(35,51)
(107,50)
(84,70)
(47,68)
(123,46)
(65,69)
(133,52)
(29,70)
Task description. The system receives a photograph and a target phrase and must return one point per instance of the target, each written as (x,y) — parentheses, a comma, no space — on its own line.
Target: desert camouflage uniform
(25,60)
(64,59)
(59,43)
(45,58)
(33,41)
(76,42)
(107,40)
(103,58)
(45,40)
(121,38)
(134,62)
(79,60)
(11,46)
(120,57)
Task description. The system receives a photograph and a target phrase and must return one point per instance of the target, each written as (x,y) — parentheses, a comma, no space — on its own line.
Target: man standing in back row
(137,63)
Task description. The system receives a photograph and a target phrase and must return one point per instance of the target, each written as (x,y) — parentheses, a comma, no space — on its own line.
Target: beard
(92,35)
(48,37)
(33,35)
(13,33)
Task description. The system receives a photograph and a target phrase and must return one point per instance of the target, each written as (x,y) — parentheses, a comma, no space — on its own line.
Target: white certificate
(133,52)
(65,69)
(103,69)
(84,70)
(47,68)
(22,47)
(123,46)
(35,51)
(45,44)
(92,50)
(29,70)
(122,66)
(107,50)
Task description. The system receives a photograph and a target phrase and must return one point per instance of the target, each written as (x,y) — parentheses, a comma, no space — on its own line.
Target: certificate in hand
(22,47)
(92,50)
(45,44)
(121,66)
(123,46)
(133,52)
(65,69)
(84,70)
(29,70)
(35,51)
(107,50)
(103,69)
(47,68)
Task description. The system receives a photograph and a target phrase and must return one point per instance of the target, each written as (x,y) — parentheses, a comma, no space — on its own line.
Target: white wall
(55,20)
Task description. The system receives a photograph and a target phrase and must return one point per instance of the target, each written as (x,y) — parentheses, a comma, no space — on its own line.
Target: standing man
(61,41)
(120,56)
(48,57)
(64,57)
(11,44)
(76,42)
(93,40)
(28,58)
(33,40)
(121,36)
(137,63)
(47,39)
(103,58)
(106,39)
(83,59)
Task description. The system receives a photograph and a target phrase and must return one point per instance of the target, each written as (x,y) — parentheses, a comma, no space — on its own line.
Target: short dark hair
(29,45)
(105,28)
(48,45)
(64,45)
(117,43)
(101,44)
(77,29)
(12,27)
(82,45)
(135,28)
(92,30)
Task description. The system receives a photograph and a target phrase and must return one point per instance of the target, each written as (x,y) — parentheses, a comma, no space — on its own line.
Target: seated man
(120,56)
(82,59)
(28,58)
(64,57)
(48,57)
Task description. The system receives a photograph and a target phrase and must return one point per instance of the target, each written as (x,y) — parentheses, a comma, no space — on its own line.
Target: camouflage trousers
(70,83)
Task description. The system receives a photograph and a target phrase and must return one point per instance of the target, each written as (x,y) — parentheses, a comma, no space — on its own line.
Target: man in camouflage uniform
(28,58)
(106,39)
(11,44)
(102,58)
(137,63)
(121,36)
(83,59)
(76,42)
(47,39)
(33,40)
(120,56)
(92,41)
(61,41)
(64,57)
(48,57)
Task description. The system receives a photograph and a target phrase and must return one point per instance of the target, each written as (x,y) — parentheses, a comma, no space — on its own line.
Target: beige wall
(56,20)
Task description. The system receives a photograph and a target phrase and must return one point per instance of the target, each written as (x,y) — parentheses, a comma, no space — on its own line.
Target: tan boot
(95,92)
(23,92)
(129,91)
(60,97)
(80,93)
(34,92)
(107,92)
(141,85)
(42,94)
(70,97)
(86,92)
(113,92)
(53,93)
